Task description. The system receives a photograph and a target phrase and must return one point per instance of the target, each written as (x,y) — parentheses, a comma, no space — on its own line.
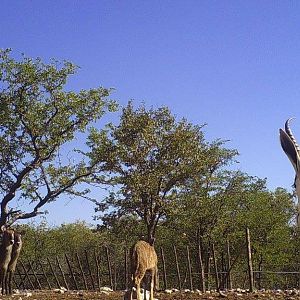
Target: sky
(234,65)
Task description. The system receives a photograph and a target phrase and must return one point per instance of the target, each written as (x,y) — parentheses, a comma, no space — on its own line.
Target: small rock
(104,292)
(58,291)
(106,289)
(222,294)
(198,292)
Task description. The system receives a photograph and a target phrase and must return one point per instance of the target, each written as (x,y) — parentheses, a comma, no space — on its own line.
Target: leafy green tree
(221,206)
(38,118)
(149,156)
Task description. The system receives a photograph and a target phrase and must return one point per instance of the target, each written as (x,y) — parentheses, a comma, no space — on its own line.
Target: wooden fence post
(208,266)
(21,281)
(125,268)
(26,275)
(71,272)
(164,267)
(97,269)
(35,276)
(177,267)
(109,267)
(249,255)
(44,274)
(215,266)
(201,268)
(229,279)
(90,270)
(189,267)
(53,273)
(81,270)
(260,271)
(62,273)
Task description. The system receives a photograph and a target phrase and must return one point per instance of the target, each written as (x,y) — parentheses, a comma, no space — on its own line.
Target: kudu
(17,246)
(143,258)
(5,255)
(292,150)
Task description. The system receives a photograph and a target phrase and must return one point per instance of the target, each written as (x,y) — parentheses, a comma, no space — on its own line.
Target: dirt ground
(82,295)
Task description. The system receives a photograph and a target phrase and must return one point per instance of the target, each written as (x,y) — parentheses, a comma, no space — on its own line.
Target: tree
(38,118)
(203,201)
(149,157)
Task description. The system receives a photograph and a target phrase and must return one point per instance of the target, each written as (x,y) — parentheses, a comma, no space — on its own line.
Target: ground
(84,295)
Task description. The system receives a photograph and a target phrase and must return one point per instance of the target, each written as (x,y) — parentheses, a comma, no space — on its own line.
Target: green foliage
(57,241)
(150,157)
(37,119)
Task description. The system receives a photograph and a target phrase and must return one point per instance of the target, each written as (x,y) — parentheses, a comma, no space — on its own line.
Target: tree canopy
(150,158)
(38,118)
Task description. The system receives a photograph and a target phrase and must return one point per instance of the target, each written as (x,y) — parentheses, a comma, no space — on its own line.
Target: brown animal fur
(17,246)
(5,255)
(143,258)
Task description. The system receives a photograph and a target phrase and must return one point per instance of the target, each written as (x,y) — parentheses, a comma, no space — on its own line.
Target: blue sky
(234,65)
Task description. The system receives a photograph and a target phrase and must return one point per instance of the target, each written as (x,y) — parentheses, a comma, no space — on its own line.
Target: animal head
(8,236)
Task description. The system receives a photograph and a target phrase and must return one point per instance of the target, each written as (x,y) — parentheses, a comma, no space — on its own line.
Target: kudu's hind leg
(153,280)
(10,276)
(3,282)
(138,280)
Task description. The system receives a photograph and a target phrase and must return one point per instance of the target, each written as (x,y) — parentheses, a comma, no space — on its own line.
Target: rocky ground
(62,294)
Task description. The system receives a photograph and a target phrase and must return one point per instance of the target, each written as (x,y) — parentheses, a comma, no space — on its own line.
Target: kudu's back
(143,258)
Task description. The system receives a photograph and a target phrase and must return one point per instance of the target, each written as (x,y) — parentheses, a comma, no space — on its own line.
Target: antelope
(16,249)
(5,255)
(143,258)
(292,150)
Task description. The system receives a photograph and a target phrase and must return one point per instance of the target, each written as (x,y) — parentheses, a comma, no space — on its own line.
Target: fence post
(90,270)
(53,273)
(71,272)
(62,273)
(45,276)
(229,279)
(177,267)
(97,269)
(82,273)
(26,276)
(189,267)
(260,271)
(34,275)
(249,256)
(215,266)
(21,280)
(125,268)
(208,266)
(164,267)
(201,268)
(109,267)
